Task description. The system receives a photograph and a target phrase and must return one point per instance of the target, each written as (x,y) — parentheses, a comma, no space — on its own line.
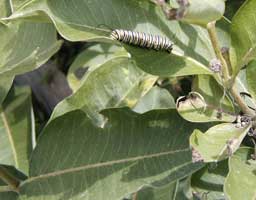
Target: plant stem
(214,39)
(239,100)
(12,182)
(225,70)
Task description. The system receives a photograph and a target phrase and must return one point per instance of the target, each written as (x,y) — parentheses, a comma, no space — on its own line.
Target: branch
(9,179)
(225,70)
(214,39)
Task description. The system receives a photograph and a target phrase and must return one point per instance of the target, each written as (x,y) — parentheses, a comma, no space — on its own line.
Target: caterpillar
(143,40)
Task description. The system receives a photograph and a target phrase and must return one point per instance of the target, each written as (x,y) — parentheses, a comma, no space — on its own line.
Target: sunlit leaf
(241,179)
(132,151)
(218,143)
(17,129)
(243,36)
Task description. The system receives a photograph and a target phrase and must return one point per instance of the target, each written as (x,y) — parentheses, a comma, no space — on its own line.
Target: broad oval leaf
(17,131)
(218,143)
(116,83)
(24,46)
(250,78)
(243,38)
(241,180)
(76,25)
(90,59)
(165,64)
(203,12)
(130,152)
(156,98)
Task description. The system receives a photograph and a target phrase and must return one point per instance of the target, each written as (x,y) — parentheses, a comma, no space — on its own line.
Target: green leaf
(17,129)
(156,98)
(24,46)
(210,180)
(243,36)
(245,85)
(195,108)
(184,191)
(165,64)
(116,83)
(218,143)
(5,190)
(213,93)
(90,59)
(76,25)
(250,77)
(5,9)
(93,163)
(203,12)
(167,191)
(241,180)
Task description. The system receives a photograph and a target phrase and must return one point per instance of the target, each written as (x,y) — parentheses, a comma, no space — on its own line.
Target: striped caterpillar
(143,40)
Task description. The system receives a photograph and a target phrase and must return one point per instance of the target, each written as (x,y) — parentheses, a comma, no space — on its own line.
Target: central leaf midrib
(101,164)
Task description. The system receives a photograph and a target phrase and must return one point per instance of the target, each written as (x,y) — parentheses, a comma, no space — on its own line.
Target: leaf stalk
(12,182)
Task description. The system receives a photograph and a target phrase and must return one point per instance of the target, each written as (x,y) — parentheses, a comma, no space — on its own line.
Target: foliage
(117,132)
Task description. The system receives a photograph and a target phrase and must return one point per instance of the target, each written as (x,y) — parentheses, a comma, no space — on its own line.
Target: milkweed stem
(12,182)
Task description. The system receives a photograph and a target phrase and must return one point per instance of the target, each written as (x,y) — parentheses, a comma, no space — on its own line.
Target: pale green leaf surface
(243,38)
(218,142)
(164,64)
(93,163)
(250,77)
(16,129)
(205,11)
(241,180)
(156,98)
(90,59)
(116,83)
(24,46)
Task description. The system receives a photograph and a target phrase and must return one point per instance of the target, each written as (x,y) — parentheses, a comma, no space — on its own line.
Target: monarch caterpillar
(144,40)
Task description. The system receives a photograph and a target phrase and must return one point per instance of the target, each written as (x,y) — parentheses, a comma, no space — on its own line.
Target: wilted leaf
(219,142)
(241,180)
(132,151)
(243,36)
(24,46)
(195,108)
(116,83)
(16,129)
(90,59)
(156,98)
